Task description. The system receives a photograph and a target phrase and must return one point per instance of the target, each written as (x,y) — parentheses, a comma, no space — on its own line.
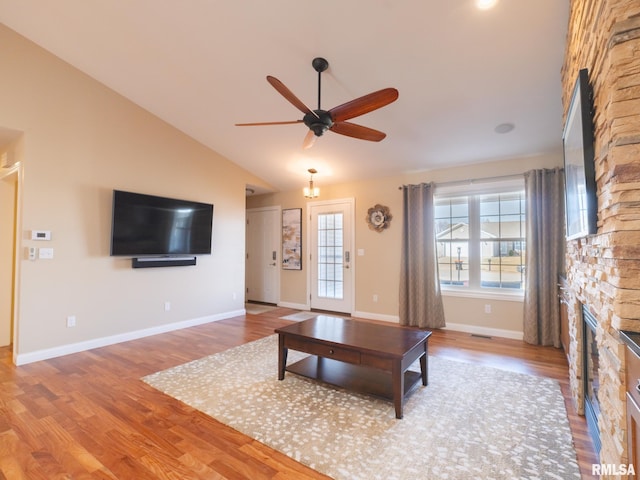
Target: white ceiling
(201,65)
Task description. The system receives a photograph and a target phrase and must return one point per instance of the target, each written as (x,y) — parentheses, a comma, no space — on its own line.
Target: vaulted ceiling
(200,65)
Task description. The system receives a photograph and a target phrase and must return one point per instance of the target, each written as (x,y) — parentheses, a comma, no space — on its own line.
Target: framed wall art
(292,239)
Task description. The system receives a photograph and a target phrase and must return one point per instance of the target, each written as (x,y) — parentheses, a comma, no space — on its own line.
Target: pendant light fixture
(311,191)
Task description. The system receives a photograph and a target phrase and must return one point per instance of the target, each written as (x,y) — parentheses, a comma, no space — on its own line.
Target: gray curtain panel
(544,190)
(420,299)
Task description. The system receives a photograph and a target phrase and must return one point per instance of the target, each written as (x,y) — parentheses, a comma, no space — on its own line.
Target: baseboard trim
(377,316)
(45,354)
(296,306)
(491,332)
(458,327)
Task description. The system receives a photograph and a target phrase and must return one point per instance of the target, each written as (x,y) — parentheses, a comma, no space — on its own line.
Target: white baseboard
(296,306)
(24,358)
(490,332)
(377,316)
(458,327)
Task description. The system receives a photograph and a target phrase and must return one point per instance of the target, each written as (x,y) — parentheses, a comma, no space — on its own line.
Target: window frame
(474,190)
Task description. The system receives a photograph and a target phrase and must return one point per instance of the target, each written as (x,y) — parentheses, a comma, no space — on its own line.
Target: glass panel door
(331,272)
(330,255)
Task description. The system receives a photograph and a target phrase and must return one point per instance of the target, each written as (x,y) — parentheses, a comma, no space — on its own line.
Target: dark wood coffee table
(357,355)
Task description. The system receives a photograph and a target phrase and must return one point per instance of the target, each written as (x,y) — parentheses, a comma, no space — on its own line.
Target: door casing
(349,243)
(262,271)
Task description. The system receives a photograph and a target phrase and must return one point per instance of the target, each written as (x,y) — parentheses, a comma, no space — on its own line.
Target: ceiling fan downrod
(319,121)
(319,65)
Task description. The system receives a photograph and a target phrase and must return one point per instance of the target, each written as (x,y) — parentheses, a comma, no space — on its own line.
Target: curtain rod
(471,181)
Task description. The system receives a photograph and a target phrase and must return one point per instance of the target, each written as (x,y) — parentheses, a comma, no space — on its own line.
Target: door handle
(272,264)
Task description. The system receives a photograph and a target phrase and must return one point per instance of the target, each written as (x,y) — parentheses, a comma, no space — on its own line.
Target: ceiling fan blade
(364,104)
(357,131)
(288,94)
(254,124)
(309,140)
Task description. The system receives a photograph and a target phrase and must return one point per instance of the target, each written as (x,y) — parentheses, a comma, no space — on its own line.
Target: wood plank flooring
(88,415)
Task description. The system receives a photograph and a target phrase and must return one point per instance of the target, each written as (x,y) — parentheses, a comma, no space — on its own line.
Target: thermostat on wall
(40,235)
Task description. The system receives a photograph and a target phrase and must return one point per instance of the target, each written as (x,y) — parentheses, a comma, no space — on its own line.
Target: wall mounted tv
(147,225)
(581,201)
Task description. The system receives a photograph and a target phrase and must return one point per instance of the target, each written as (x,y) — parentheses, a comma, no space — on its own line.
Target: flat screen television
(581,201)
(147,225)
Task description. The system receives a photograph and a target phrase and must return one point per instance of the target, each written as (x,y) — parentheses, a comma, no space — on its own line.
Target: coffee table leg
(424,365)
(282,357)
(397,378)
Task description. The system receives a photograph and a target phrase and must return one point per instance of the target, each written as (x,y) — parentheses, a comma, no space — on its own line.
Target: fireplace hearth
(591,365)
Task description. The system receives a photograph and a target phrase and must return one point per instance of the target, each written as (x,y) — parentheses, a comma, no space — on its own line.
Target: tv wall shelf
(149,262)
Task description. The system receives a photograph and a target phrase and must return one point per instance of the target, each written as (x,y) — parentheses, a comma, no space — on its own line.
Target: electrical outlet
(167,306)
(71,321)
(487,308)
(375,297)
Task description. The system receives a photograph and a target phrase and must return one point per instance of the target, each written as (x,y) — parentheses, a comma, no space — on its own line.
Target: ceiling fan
(319,121)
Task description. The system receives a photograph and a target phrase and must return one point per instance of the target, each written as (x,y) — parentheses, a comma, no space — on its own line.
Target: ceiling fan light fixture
(311,191)
(319,122)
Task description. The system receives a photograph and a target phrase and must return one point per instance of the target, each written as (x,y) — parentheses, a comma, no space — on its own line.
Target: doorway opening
(8,255)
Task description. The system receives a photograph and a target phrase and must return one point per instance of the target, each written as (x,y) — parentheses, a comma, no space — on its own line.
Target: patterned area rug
(470,422)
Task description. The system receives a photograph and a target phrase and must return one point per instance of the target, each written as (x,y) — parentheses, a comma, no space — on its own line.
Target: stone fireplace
(603,270)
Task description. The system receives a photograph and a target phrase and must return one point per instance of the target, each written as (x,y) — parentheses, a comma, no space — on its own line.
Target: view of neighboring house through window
(481,240)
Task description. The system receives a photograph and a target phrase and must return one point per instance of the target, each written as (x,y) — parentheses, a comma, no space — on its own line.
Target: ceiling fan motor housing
(318,123)
(319,64)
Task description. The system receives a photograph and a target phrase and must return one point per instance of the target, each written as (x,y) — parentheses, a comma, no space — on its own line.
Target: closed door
(331,256)
(263,256)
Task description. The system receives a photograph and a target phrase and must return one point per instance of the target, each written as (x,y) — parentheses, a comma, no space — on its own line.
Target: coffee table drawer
(337,353)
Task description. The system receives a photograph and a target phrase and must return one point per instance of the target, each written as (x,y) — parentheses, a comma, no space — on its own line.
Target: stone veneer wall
(603,271)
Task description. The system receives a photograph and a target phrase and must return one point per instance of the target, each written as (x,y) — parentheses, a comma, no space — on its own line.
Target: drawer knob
(332,352)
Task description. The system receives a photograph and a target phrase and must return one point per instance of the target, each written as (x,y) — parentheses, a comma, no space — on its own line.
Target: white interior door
(263,255)
(331,256)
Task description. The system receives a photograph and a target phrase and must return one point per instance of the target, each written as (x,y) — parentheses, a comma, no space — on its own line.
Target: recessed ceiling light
(486,4)
(504,128)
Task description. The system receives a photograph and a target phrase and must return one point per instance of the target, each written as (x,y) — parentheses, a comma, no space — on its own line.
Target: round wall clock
(378,217)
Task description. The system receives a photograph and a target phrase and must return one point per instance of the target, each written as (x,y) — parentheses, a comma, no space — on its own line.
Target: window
(330,255)
(481,242)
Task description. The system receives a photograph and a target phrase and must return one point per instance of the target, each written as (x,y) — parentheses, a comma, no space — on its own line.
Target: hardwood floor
(88,415)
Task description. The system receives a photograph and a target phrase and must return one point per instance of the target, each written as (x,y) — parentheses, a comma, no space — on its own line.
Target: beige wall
(378,270)
(81,141)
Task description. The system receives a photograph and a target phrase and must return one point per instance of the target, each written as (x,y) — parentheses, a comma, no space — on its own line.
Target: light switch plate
(40,234)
